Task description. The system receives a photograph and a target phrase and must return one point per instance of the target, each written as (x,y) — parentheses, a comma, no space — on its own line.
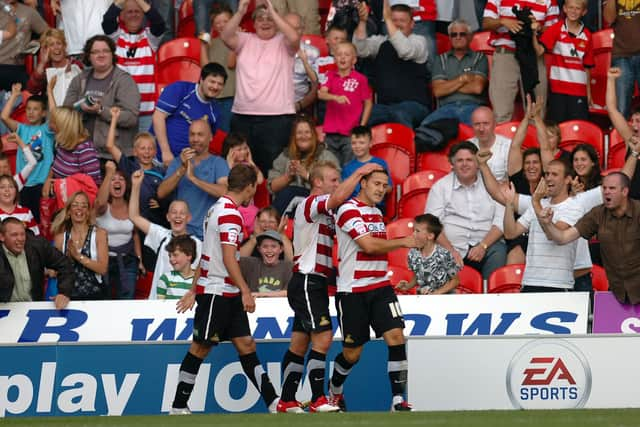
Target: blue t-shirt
(350,167)
(182,104)
(210,170)
(41,140)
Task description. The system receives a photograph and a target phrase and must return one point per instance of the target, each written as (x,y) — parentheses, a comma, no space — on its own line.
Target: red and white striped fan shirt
(136,53)
(570,55)
(359,271)
(545,12)
(313,236)
(23,214)
(222,226)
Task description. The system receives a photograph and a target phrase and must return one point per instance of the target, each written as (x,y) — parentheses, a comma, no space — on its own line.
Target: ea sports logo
(548,374)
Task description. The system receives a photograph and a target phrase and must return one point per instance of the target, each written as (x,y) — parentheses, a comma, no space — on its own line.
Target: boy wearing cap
(268,275)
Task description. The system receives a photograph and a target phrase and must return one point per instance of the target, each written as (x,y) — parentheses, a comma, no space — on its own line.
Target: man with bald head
(484,125)
(197,177)
(617,224)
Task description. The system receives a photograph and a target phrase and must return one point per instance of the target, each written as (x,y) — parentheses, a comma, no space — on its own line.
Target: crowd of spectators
(129,170)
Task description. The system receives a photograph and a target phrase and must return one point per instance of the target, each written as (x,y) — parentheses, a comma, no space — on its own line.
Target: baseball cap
(269,234)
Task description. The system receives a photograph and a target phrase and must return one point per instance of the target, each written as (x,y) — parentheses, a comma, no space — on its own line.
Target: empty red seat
(507,279)
(470,281)
(509,129)
(415,190)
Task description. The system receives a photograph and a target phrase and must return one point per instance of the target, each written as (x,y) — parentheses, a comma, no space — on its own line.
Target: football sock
(253,369)
(397,367)
(341,369)
(316,367)
(292,367)
(186,380)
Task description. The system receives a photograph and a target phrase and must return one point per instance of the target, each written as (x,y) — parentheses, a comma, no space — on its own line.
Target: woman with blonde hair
(77,236)
(289,175)
(53,61)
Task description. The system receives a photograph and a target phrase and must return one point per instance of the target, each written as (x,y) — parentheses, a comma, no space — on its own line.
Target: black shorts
(309,299)
(219,319)
(378,308)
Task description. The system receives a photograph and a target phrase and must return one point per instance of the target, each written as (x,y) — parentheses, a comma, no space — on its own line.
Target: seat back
(186,20)
(602,46)
(574,132)
(506,279)
(316,41)
(599,279)
(470,281)
(415,190)
(180,49)
(215,145)
(509,129)
(437,160)
(398,273)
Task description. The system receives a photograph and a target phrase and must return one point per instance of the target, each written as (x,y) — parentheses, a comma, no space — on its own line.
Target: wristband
(635,154)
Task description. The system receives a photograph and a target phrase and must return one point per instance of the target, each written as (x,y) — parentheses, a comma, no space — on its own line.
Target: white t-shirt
(549,264)
(157,240)
(499,161)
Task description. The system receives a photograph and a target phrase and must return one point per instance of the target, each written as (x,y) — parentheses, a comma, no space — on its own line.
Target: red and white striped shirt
(325,64)
(222,226)
(136,53)
(426,11)
(359,271)
(24,215)
(313,236)
(570,55)
(545,12)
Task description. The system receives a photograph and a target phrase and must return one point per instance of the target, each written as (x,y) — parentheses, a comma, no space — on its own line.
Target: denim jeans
(224,107)
(408,113)
(122,276)
(630,67)
(459,110)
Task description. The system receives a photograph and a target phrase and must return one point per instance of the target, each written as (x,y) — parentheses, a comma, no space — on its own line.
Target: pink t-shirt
(341,118)
(264,76)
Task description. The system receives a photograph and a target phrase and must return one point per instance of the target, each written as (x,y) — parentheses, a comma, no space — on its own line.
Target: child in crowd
(175,284)
(144,157)
(157,236)
(361,147)
(267,219)
(435,270)
(9,204)
(39,137)
(5,167)
(268,275)
(349,102)
(570,44)
(214,50)
(333,36)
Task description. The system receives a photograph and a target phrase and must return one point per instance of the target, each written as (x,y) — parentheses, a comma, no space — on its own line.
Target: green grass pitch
(567,418)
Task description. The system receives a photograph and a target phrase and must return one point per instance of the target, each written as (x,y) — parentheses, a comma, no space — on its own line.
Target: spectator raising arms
(78,237)
(98,88)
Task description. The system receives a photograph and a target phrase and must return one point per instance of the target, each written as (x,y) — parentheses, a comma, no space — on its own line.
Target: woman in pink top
(263,107)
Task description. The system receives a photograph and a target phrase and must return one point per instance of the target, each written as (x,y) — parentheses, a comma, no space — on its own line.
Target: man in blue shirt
(183,102)
(198,177)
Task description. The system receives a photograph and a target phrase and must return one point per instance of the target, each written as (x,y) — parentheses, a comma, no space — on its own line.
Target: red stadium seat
(20,113)
(602,45)
(465,132)
(262,198)
(398,256)
(599,279)
(178,59)
(316,41)
(443,43)
(143,286)
(10,149)
(617,151)
(509,129)
(398,273)
(215,146)
(470,281)
(507,279)
(399,228)
(415,190)
(394,134)
(437,160)
(186,20)
(480,43)
(180,49)
(574,132)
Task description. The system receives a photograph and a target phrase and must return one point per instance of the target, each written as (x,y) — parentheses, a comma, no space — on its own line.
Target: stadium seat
(20,113)
(317,42)
(507,279)
(509,129)
(186,21)
(617,151)
(401,227)
(437,160)
(288,229)
(394,134)
(215,146)
(480,43)
(323,10)
(143,286)
(465,132)
(602,45)
(183,48)
(262,198)
(599,278)
(398,257)
(415,190)
(398,273)
(10,149)
(178,59)
(470,281)
(443,43)
(574,132)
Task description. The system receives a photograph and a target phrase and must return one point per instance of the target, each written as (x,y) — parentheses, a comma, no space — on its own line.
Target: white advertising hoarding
(481,373)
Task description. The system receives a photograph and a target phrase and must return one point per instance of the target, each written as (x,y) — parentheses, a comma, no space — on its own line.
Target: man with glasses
(23,259)
(459,77)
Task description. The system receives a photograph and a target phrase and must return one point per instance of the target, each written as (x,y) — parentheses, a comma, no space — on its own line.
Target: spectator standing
(80,20)
(136,46)
(399,65)
(306,9)
(98,88)
(459,77)
(263,107)
(305,68)
(198,177)
(23,259)
(9,204)
(505,71)
(181,104)
(28,21)
(176,283)
(624,17)
(485,138)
